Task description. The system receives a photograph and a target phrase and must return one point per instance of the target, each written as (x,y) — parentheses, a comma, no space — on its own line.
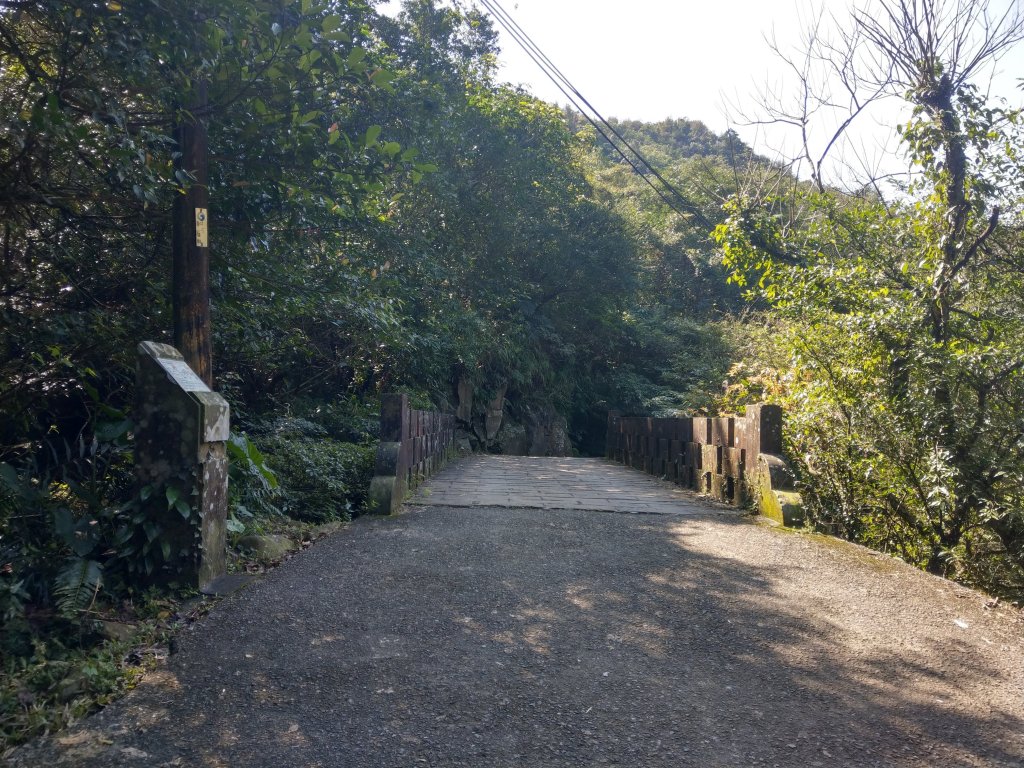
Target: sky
(699,59)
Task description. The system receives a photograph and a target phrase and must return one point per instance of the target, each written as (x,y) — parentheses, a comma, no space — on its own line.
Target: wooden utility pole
(190,243)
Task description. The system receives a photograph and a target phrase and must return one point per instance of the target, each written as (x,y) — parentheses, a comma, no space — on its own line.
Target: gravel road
(507,637)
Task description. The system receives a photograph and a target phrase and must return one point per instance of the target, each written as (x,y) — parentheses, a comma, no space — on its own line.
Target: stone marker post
(181,466)
(389,485)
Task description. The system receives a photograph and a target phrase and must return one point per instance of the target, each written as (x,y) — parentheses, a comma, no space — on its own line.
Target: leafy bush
(253,486)
(293,427)
(349,421)
(63,523)
(321,479)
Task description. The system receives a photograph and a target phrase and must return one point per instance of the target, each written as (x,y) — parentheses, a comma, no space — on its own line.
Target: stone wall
(735,459)
(519,430)
(413,445)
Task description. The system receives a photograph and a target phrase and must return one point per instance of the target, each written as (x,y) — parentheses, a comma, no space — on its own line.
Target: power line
(511,28)
(560,81)
(538,58)
(690,207)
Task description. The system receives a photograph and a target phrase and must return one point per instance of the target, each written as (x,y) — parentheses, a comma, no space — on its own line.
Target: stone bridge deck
(527,632)
(555,483)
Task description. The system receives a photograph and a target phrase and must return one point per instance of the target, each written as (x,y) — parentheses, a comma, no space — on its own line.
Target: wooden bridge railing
(735,459)
(413,445)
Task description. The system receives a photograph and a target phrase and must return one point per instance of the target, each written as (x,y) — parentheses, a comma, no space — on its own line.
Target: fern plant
(77,585)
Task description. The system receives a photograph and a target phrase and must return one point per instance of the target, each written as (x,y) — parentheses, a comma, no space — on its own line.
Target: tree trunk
(190,289)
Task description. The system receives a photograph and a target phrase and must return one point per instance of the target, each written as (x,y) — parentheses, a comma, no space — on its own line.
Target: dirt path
(509,637)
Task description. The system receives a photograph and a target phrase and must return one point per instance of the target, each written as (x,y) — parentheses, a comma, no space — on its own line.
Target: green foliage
(89,94)
(349,420)
(672,140)
(87,161)
(61,520)
(896,348)
(321,479)
(54,673)
(253,485)
(77,585)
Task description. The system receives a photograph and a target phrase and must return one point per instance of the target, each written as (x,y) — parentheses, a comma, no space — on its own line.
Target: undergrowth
(54,671)
(76,629)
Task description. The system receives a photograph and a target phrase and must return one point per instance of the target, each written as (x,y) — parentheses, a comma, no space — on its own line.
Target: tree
(89,96)
(511,270)
(902,311)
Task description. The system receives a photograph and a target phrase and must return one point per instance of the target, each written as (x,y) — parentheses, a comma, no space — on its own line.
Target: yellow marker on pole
(202,233)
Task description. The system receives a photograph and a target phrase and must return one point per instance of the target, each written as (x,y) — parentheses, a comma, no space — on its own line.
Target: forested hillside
(387,216)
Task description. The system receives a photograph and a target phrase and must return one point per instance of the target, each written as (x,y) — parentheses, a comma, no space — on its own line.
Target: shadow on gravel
(518,639)
(708,647)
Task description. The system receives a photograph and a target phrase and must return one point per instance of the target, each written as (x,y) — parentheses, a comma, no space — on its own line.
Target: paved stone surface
(532,638)
(557,483)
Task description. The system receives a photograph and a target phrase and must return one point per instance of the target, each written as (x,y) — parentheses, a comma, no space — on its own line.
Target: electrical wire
(539,62)
(681,204)
(551,68)
(536,57)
